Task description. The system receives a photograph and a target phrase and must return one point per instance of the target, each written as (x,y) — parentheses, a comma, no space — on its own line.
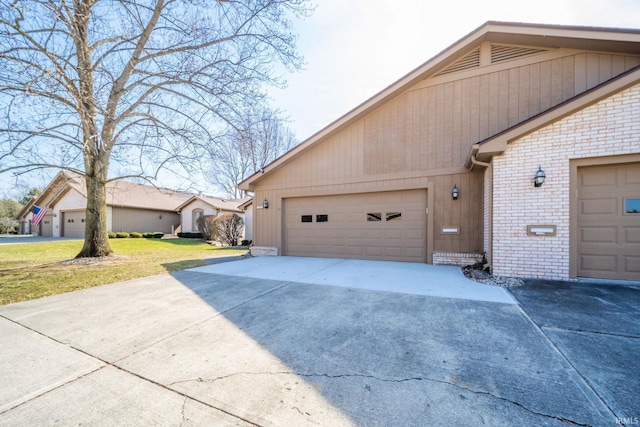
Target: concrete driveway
(212,347)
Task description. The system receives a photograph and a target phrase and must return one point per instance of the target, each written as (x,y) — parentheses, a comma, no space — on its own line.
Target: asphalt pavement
(199,347)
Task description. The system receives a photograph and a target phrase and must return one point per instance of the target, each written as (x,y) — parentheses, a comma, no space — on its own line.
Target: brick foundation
(264,251)
(456,258)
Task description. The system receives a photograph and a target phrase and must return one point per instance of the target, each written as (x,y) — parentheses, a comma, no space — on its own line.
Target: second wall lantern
(455,193)
(539,178)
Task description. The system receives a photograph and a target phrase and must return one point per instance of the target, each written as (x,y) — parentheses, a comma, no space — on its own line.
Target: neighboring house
(130,207)
(198,206)
(480,119)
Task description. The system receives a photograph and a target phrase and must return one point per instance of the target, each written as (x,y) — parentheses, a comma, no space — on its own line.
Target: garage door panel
(598,234)
(632,235)
(598,179)
(373,251)
(632,263)
(600,206)
(599,262)
(349,234)
(631,176)
(608,237)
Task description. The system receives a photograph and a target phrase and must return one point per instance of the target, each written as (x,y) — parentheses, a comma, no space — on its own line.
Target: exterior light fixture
(265,204)
(455,193)
(538,180)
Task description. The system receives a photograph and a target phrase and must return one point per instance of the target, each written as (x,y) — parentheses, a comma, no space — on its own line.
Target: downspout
(478,162)
(475,161)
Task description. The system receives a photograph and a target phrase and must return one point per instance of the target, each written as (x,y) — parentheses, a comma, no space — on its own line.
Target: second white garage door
(73,224)
(380,226)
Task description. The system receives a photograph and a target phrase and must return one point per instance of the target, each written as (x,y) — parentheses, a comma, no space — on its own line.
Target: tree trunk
(96,239)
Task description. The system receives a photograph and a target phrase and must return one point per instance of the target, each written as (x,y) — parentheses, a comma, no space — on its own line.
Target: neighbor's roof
(232,205)
(119,193)
(543,36)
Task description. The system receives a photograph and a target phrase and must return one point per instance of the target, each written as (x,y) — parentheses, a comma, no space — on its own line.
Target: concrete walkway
(388,276)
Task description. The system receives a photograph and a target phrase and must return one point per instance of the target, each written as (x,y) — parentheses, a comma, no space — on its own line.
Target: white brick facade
(609,127)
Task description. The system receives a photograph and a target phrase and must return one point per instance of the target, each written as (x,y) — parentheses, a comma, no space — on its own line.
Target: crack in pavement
(184,418)
(200,322)
(110,364)
(392,380)
(585,331)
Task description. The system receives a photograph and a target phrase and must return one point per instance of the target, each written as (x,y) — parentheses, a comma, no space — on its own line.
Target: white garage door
(609,221)
(46,226)
(73,224)
(380,226)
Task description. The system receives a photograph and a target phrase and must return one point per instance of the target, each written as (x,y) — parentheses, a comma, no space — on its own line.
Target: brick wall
(609,127)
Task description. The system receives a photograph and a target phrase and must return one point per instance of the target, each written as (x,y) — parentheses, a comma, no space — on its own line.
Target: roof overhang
(208,202)
(548,36)
(246,204)
(497,144)
(52,192)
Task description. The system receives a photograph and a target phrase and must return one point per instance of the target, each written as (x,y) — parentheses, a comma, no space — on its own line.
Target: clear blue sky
(356,48)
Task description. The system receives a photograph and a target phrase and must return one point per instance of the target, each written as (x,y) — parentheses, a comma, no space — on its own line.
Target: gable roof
(484,150)
(458,54)
(119,193)
(217,203)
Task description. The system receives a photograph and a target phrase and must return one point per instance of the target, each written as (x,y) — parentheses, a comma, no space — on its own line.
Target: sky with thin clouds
(356,48)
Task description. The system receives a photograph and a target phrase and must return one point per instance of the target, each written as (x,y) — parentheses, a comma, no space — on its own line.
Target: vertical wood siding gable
(432,127)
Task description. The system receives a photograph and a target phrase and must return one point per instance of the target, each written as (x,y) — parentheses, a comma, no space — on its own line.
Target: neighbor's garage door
(609,221)
(379,226)
(73,224)
(46,226)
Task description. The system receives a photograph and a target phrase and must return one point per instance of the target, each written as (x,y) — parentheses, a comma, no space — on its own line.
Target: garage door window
(632,206)
(307,218)
(374,217)
(322,218)
(394,216)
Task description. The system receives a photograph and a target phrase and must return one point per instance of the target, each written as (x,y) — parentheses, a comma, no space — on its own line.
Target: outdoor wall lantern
(538,180)
(265,203)
(455,193)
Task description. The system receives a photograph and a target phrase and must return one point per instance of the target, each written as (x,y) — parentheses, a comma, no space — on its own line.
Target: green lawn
(34,270)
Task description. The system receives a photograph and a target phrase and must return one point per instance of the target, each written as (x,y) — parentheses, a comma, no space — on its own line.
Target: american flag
(38,214)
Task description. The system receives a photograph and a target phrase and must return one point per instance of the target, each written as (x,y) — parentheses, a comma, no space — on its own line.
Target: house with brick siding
(519,142)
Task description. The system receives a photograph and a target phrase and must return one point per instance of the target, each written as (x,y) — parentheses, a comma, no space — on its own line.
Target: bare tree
(240,152)
(145,84)
(228,228)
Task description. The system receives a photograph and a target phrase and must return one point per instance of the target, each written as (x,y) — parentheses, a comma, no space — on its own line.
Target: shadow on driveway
(211,349)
